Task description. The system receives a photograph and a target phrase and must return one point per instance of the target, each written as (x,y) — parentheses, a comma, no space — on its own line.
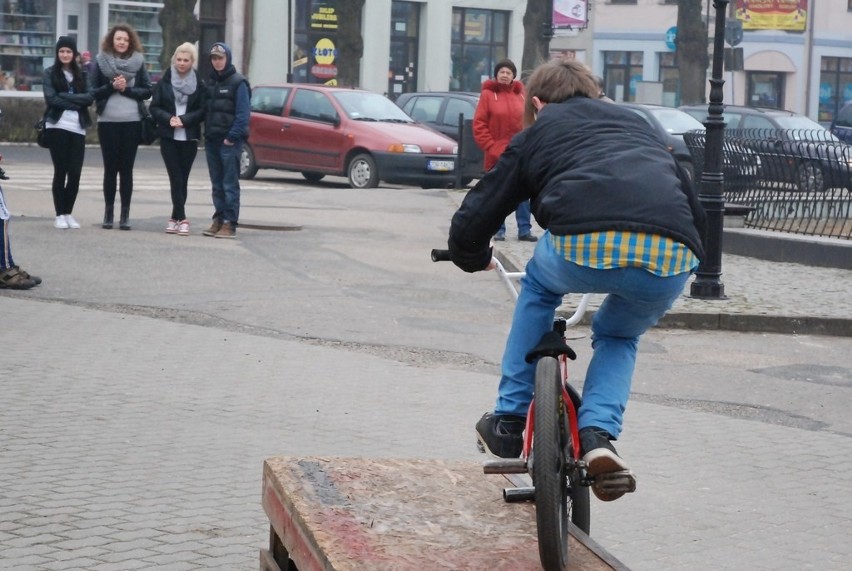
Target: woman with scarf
(66,120)
(120,85)
(178,109)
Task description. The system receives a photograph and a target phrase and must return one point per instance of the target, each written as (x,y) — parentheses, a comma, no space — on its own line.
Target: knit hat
(66,42)
(508,64)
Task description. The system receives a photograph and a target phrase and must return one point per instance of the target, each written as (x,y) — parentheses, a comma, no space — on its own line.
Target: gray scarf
(183,86)
(112,66)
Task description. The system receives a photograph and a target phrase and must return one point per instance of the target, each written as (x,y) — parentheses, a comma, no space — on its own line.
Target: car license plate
(440,166)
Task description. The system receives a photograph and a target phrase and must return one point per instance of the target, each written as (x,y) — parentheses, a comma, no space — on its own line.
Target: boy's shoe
(602,460)
(214,228)
(528,238)
(183,228)
(60,223)
(501,436)
(35,279)
(227,231)
(172,226)
(15,279)
(71,222)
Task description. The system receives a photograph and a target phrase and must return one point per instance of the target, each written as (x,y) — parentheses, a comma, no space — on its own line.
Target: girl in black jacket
(178,109)
(66,120)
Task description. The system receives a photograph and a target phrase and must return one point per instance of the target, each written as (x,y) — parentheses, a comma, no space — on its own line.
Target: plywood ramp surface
(366,514)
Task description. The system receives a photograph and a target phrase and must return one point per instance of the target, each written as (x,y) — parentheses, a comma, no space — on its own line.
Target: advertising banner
(570,14)
(789,15)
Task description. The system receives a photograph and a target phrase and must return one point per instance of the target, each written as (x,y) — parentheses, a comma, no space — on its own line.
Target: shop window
(480,39)
(143,18)
(835,86)
(27,37)
(622,71)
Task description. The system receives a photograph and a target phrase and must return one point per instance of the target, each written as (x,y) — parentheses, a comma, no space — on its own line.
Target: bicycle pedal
(623,481)
(505,466)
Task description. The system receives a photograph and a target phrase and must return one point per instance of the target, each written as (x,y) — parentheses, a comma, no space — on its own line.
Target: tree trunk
(692,59)
(350,42)
(179,25)
(537,34)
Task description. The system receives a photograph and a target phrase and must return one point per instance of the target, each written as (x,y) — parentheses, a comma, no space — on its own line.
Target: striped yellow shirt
(615,249)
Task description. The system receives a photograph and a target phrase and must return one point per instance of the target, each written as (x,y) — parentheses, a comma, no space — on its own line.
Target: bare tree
(537,34)
(350,42)
(692,59)
(179,24)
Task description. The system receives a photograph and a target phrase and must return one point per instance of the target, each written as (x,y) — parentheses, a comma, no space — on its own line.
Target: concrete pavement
(144,382)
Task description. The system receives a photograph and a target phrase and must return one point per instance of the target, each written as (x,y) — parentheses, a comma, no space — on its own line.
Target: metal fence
(791,180)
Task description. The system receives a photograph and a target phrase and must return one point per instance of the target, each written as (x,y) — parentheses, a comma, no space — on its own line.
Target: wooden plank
(341,514)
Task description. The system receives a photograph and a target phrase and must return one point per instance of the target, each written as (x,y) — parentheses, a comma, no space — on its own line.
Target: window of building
(405,25)
(670,78)
(27,37)
(765,89)
(315,54)
(480,38)
(622,71)
(835,85)
(211,18)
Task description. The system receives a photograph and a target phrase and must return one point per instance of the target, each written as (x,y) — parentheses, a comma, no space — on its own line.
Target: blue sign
(671,36)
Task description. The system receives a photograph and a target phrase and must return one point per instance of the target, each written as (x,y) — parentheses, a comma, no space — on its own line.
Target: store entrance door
(402,68)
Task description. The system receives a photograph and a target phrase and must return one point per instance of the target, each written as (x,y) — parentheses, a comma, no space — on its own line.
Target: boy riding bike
(621,218)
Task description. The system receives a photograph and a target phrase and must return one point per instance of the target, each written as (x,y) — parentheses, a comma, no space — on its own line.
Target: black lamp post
(708,283)
(290,29)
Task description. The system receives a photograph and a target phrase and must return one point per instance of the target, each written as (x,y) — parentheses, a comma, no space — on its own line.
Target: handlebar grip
(440,255)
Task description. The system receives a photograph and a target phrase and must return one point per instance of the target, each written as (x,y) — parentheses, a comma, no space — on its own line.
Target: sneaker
(226,231)
(13,278)
(35,279)
(183,228)
(71,222)
(214,228)
(172,226)
(499,237)
(601,458)
(60,223)
(501,436)
(528,238)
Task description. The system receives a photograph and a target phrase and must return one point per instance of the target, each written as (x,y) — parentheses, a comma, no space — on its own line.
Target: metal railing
(791,180)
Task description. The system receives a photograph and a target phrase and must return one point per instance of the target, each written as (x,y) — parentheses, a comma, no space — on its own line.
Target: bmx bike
(551,453)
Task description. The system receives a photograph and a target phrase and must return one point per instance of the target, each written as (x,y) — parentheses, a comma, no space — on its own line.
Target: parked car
(794,150)
(841,127)
(319,131)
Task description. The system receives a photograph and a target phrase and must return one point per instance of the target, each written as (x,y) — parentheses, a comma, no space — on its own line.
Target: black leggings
(178,157)
(119,142)
(67,151)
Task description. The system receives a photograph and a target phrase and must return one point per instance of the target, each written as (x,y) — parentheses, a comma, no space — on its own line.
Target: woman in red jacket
(499,117)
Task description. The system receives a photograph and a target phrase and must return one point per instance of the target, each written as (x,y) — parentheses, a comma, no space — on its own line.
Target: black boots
(125,214)
(107,225)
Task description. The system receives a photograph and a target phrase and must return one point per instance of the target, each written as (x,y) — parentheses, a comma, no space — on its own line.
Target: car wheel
(362,172)
(313,176)
(248,167)
(809,178)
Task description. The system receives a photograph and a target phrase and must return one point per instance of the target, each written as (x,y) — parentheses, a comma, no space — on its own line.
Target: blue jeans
(637,300)
(223,163)
(522,216)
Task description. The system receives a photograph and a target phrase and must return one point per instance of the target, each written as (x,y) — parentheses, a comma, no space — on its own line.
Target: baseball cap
(218,50)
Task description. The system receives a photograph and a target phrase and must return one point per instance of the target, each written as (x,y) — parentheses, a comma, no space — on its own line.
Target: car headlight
(404,148)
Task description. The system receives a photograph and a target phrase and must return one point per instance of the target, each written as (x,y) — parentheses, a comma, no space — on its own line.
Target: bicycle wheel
(550,443)
(580,507)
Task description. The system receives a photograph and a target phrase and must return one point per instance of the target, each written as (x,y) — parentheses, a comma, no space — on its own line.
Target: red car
(361,135)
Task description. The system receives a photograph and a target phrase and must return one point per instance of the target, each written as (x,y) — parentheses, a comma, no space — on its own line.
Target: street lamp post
(708,283)
(290,28)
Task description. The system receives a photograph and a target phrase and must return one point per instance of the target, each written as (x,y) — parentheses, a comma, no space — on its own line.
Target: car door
(426,109)
(314,139)
(267,124)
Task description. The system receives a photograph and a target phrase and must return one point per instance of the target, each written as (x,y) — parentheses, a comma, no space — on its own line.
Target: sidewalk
(762,296)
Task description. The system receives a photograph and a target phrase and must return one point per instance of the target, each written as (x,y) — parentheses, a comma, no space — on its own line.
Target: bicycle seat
(551,344)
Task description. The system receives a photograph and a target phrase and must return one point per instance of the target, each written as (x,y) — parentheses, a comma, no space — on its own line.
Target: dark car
(319,131)
(841,127)
(795,150)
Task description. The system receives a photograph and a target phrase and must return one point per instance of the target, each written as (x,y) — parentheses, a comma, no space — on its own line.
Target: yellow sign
(325,18)
(773,14)
(324,52)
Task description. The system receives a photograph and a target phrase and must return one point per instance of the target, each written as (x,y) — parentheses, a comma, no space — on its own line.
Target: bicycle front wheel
(549,470)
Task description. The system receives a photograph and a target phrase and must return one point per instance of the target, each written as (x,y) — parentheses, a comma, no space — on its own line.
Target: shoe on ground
(499,237)
(501,435)
(601,459)
(227,231)
(60,223)
(13,278)
(214,228)
(172,226)
(35,279)
(528,238)
(71,222)
(183,228)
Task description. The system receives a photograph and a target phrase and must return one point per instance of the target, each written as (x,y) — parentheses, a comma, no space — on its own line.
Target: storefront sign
(570,13)
(773,14)
(324,17)
(324,71)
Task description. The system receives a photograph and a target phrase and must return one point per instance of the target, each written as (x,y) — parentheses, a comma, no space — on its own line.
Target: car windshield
(366,106)
(675,121)
(799,126)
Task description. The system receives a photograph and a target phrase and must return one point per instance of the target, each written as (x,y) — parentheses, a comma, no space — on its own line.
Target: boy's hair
(557,81)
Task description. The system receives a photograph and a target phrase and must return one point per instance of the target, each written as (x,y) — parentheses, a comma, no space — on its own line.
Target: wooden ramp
(369,515)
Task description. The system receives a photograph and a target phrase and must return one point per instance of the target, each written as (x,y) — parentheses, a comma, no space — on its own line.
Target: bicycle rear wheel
(549,470)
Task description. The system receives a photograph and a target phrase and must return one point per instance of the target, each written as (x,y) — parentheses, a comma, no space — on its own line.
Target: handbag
(149,129)
(42,137)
